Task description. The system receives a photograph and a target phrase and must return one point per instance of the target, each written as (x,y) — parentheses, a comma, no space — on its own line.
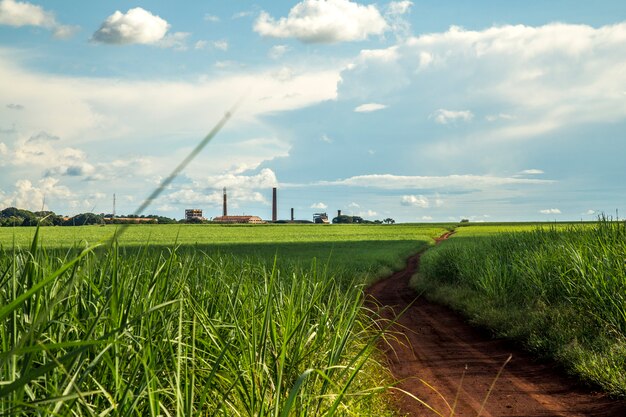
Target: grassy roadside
(181,334)
(197,329)
(561,291)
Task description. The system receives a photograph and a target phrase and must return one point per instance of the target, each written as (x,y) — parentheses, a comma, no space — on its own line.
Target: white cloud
(25,195)
(464,182)
(18,14)
(3,149)
(222,45)
(135,26)
(367,214)
(326,138)
(75,108)
(353,205)
(211,18)
(201,44)
(532,172)
(499,116)
(427,218)
(415,201)
(277,51)
(369,107)
(265,179)
(550,211)
(319,206)
(443,116)
(399,7)
(395,17)
(241,15)
(197,197)
(547,78)
(176,40)
(590,212)
(324,21)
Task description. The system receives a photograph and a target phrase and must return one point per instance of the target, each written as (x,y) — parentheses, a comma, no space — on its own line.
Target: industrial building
(193,214)
(238,219)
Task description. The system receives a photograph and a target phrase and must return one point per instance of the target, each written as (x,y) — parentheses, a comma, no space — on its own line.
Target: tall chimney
(338,213)
(292,214)
(274,209)
(224,210)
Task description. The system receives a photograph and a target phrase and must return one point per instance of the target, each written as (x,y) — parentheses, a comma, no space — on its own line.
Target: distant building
(193,214)
(320,218)
(238,219)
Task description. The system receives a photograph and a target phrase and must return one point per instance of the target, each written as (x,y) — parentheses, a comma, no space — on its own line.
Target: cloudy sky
(431,110)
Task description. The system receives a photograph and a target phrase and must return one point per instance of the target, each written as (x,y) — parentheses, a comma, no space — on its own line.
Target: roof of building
(236,218)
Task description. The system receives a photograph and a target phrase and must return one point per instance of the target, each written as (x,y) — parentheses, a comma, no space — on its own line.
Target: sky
(419,111)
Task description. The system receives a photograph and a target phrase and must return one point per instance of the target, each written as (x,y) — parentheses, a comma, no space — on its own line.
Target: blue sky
(418,111)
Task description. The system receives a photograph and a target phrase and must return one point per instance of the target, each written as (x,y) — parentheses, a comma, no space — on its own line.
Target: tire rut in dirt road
(440,359)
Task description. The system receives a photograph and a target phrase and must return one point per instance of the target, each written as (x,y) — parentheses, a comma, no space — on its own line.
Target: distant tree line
(12,217)
(343,219)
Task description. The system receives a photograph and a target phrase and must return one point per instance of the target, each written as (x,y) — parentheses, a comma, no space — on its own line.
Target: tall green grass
(176,332)
(562,290)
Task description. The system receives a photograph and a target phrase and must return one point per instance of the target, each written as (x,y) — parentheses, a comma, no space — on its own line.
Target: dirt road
(460,364)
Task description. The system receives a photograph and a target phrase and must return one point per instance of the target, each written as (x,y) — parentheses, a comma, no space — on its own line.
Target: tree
(389,220)
(84,219)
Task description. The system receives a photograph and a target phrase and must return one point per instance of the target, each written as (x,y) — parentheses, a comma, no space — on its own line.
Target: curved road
(451,366)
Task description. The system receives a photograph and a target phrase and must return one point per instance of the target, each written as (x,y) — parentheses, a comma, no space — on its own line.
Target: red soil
(437,357)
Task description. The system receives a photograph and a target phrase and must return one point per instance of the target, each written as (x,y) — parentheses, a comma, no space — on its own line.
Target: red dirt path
(437,346)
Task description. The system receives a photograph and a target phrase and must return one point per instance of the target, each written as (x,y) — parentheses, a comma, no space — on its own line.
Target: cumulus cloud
(590,212)
(415,201)
(239,188)
(444,117)
(3,149)
(427,218)
(265,179)
(464,182)
(546,77)
(369,107)
(18,14)
(319,206)
(550,211)
(324,21)
(136,26)
(31,196)
(532,172)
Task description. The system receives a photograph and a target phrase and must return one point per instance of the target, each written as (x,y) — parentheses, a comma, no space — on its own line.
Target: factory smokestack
(224,210)
(274,208)
(338,213)
(292,219)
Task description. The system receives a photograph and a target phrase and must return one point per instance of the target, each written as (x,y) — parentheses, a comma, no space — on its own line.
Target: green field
(372,250)
(195,320)
(558,289)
